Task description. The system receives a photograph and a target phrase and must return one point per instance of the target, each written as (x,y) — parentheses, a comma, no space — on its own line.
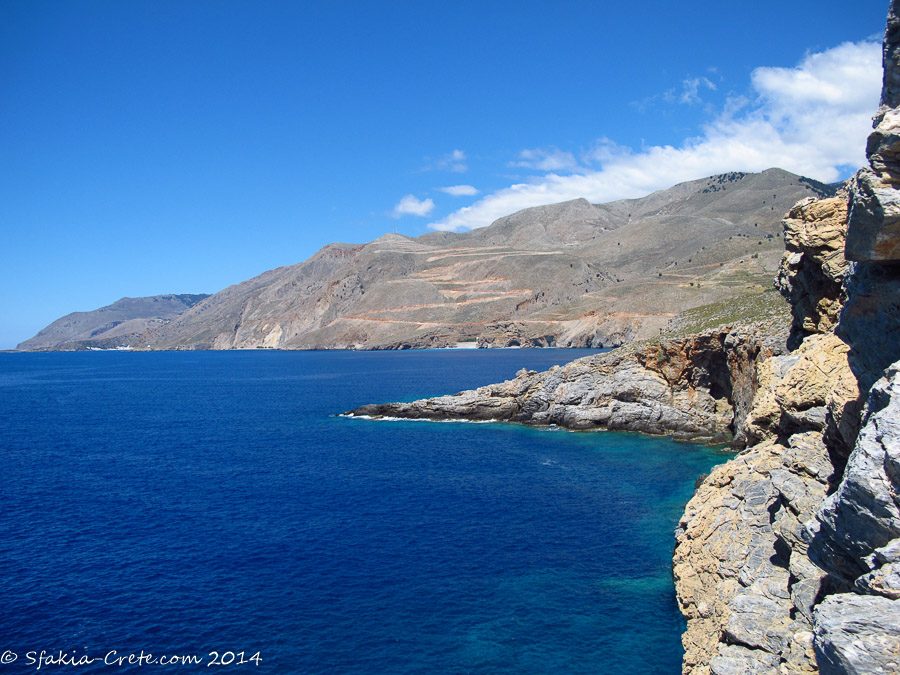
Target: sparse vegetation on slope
(574,274)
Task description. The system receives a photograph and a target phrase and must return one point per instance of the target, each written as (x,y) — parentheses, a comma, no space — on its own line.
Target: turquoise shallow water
(184,503)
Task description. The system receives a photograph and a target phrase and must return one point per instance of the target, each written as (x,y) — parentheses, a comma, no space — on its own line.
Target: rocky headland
(787,558)
(693,388)
(117,325)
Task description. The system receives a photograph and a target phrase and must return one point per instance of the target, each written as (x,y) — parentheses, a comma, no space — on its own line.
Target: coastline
(787,557)
(695,389)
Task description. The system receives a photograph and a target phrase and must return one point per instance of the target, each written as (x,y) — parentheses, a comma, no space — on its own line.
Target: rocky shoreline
(787,558)
(696,388)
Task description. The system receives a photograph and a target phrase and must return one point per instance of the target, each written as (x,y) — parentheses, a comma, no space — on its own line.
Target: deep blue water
(182,503)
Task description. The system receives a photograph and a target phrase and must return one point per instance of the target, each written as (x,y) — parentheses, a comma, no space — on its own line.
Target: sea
(186,511)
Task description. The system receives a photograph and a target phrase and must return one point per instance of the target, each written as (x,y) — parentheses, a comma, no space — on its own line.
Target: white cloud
(690,90)
(546,159)
(604,150)
(455,162)
(810,120)
(459,190)
(410,206)
(689,94)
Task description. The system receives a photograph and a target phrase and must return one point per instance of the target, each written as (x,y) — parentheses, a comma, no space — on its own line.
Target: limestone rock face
(870,319)
(725,544)
(812,277)
(813,266)
(863,515)
(857,634)
(798,388)
(875,205)
(682,387)
(874,221)
(742,573)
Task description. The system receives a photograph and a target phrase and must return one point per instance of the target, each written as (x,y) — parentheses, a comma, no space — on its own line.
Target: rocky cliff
(788,557)
(855,535)
(743,573)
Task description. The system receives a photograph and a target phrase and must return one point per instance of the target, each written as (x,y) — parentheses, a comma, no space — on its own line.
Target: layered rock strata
(813,267)
(742,570)
(695,388)
(855,540)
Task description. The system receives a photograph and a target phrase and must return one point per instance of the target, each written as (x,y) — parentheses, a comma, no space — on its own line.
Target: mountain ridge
(111,325)
(571,274)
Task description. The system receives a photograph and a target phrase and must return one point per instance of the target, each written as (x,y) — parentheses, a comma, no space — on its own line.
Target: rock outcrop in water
(695,388)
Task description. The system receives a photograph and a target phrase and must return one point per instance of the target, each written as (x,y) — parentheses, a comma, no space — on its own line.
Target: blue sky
(180,147)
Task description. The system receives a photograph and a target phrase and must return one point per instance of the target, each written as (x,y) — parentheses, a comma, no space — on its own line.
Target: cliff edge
(743,574)
(788,557)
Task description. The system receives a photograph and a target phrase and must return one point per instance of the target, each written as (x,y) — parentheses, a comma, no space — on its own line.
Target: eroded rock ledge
(695,388)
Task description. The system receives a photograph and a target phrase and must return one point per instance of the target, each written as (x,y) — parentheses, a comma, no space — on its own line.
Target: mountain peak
(566,274)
